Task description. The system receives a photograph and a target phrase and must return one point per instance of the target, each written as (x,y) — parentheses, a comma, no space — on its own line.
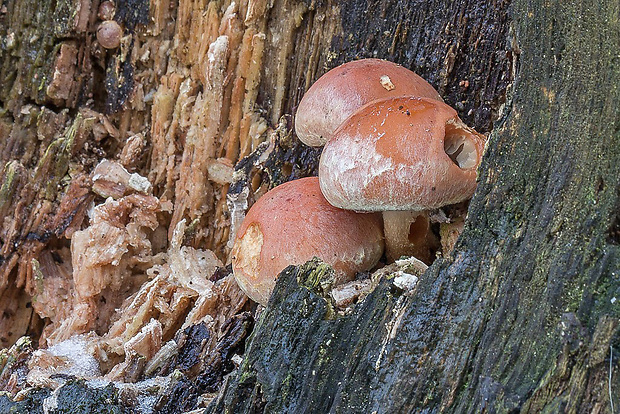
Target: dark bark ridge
(462,48)
(523,316)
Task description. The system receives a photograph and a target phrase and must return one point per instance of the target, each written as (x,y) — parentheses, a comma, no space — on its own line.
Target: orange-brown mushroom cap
(401,153)
(343,90)
(293,223)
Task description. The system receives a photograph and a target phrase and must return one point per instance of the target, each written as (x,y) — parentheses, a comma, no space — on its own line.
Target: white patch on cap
(348,169)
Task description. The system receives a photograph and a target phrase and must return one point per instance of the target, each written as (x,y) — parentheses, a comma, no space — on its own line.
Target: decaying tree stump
(193,113)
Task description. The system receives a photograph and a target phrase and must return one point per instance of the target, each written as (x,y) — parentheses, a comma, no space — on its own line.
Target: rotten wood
(198,99)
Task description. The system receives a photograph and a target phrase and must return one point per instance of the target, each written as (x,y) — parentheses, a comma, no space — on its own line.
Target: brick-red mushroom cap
(401,153)
(293,223)
(343,90)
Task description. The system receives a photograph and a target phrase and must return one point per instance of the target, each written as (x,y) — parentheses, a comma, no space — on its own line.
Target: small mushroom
(402,156)
(106,10)
(109,34)
(343,90)
(293,223)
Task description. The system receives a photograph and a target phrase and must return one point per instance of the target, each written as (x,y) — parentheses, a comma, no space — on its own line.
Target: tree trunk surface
(523,315)
(198,98)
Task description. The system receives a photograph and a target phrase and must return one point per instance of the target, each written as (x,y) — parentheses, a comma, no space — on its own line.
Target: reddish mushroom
(106,10)
(109,34)
(402,156)
(343,90)
(293,223)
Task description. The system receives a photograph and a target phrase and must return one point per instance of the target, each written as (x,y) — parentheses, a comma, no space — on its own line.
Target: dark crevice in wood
(119,81)
(132,13)
(462,48)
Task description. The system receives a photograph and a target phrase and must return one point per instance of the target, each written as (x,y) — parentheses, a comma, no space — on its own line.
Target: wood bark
(523,315)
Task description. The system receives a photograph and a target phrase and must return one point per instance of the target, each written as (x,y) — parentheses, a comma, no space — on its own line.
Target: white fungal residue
(347,170)
(80,362)
(145,391)
(220,45)
(405,281)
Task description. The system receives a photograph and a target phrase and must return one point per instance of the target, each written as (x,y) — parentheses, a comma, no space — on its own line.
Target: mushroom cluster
(391,146)
(397,149)
(109,32)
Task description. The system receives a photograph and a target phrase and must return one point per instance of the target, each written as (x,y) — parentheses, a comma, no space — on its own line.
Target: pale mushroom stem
(408,233)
